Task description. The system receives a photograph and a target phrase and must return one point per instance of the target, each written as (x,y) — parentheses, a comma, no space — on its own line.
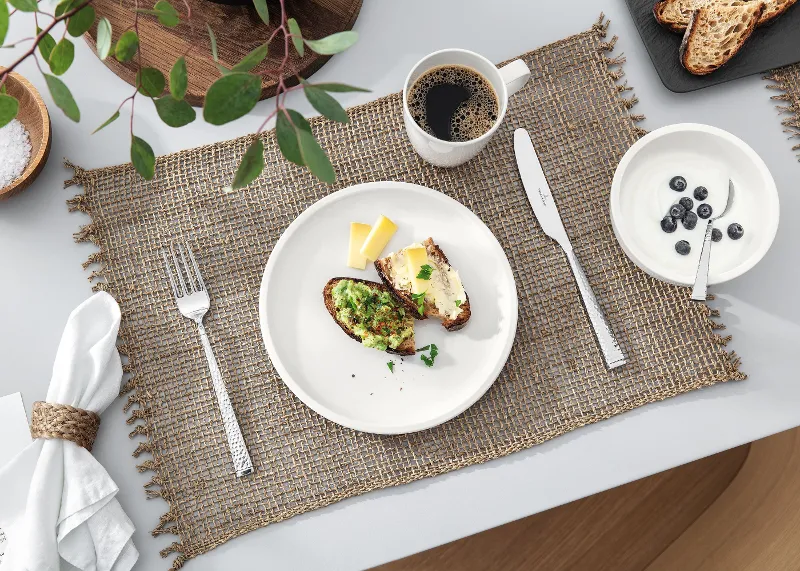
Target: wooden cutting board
(238,30)
(771,46)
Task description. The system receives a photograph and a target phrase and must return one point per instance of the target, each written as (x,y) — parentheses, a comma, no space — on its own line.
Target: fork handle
(241,458)
(700,289)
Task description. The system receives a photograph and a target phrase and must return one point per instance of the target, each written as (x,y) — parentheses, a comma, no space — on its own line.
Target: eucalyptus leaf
(213,39)
(3,21)
(127,45)
(62,57)
(339,87)
(62,97)
(286,134)
(107,122)
(142,157)
(103,38)
(326,104)
(297,36)
(230,97)
(315,157)
(9,107)
(63,7)
(46,45)
(80,22)
(25,5)
(251,166)
(167,14)
(150,82)
(252,59)
(175,112)
(178,79)
(263,11)
(334,43)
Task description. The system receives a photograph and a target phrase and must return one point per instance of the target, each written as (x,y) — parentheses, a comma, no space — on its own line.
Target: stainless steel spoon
(700,289)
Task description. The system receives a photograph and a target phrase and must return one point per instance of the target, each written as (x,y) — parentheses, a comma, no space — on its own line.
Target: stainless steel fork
(193,302)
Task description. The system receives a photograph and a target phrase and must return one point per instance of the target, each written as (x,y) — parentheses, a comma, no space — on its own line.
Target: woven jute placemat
(578,113)
(787,79)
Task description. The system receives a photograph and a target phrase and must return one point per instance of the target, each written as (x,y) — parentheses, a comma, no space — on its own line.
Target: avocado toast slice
(370,314)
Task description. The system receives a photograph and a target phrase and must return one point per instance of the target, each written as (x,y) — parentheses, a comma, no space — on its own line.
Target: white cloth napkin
(55,498)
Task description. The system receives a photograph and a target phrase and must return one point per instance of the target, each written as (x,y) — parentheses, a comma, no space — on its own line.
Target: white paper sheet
(14,436)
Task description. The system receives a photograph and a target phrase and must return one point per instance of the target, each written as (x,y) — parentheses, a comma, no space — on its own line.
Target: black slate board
(771,46)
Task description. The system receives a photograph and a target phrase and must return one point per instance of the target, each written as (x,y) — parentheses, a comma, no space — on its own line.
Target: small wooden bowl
(33,115)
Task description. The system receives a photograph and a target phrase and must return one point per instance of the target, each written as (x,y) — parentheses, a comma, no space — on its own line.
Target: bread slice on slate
(675,14)
(403,291)
(407,347)
(716,34)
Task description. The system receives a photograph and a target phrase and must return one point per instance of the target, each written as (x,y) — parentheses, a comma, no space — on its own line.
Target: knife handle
(612,354)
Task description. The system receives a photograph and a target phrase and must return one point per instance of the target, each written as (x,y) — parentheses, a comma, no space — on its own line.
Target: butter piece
(379,236)
(358,235)
(416,258)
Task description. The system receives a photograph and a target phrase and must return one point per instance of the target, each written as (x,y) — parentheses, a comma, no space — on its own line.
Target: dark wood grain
(238,29)
(774,45)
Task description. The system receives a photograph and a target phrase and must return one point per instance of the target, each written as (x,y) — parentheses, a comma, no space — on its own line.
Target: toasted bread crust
(407,347)
(772,10)
(770,14)
(658,12)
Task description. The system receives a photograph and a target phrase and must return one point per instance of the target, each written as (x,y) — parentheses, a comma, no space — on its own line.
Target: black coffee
(453,103)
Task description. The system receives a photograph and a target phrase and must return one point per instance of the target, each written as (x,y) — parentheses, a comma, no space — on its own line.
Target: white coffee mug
(505,81)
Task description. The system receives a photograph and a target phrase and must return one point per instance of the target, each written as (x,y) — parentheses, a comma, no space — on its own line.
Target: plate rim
(614,201)
(324,411)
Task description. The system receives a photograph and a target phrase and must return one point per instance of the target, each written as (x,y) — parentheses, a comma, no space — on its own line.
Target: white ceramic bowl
(704,156)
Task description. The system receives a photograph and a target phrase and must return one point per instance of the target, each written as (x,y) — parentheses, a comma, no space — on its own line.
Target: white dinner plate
(351,384)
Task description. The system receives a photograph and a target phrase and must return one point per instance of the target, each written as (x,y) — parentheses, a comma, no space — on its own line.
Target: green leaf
(178,79)
(8,109)
(108,122)
(80,22)
(150,82)
(297,36)
(263,11)
(103,38)
(213,39)
(334,43)
(326,104)
(315,157)
(339,87)
(390,364)
(167,14)
(175,112)
(287,135)
(142,157)
(64,6)
(25,5)
(127,45)
(3,21)
(252,59)
(46,45)
(62,97)
(251,166)
(230,97)
(62,56)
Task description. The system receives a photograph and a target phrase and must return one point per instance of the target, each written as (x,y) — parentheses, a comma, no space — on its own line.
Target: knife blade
(546,212)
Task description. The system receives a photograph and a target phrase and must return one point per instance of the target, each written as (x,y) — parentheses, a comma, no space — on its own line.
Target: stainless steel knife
(538,191)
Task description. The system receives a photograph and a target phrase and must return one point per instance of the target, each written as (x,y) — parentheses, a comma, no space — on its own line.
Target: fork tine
(169,273)
(196,269)
(190,275)
(179,270)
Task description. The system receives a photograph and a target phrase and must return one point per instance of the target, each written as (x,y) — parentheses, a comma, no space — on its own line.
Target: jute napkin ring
(49,420)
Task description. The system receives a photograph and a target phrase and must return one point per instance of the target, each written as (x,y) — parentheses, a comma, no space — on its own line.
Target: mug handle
(515,75)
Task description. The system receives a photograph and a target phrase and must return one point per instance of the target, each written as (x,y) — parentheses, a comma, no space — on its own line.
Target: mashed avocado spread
(372,314)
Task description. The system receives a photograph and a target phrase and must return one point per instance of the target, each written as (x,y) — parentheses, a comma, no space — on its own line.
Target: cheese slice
(379,236)
(416,258)
(358,234)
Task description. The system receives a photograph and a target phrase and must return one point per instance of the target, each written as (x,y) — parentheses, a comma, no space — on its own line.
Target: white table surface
(41,281)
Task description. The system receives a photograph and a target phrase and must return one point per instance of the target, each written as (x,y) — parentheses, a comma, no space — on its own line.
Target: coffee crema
(453,103)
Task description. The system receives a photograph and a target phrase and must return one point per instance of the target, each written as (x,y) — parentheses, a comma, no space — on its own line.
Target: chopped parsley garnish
(390,364)
(434,352)
(458,303)
(425,272)
(420,299)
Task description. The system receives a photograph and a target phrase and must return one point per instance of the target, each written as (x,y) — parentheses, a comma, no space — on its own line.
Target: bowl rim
(625,239)
(37,161)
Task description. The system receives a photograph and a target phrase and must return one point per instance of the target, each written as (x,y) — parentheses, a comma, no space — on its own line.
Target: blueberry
(716,235)
(683,248)
(668,224)
(701,193)
(735,231)
(677,211)
(690,220)
(678,183)
(704,211)
(686,202)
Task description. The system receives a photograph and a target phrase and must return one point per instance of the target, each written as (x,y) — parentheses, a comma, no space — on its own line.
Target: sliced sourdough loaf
(675,14)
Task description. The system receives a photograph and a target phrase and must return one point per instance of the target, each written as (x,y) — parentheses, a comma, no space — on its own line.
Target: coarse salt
(15,152)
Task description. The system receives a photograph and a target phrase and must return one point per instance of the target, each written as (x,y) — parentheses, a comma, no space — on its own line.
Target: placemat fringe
(782,81)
